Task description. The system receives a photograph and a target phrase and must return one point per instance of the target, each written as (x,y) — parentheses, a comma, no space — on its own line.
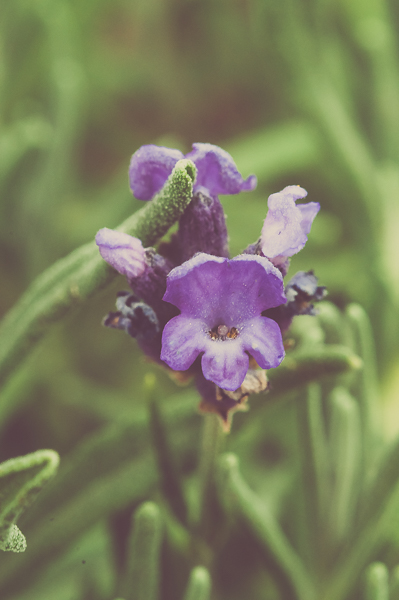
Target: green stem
(303,367)
(212,442)
(199,585)
(264,526)
(355,559)
(170,480)
(376,585)
(76,278)
(314,466)
(365,386)
(142,577)
(346,450)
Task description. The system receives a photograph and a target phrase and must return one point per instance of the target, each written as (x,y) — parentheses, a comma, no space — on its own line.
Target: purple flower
(287,225)
(145,270)
(217,173)
(221,302)
(150,166)
(122,251)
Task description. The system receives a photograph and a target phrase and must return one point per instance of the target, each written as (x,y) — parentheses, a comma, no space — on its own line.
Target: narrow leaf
(365,386)
(315,464)
(142,577)
(264,526)
(170,482)
(346,457)
(21,479)
(376,582)
(301,368)
(199,585)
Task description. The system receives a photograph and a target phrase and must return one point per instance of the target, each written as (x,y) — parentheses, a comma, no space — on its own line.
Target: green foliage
(151,499)
(199,585)
(21,480)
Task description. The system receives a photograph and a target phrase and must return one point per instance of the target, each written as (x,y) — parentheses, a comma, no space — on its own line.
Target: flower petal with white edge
(122,251)
(261,337)
(183,339)
(225,363)
(150,167)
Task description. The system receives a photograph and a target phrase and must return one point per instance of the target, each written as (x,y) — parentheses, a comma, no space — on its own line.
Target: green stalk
(264,526)
(212,442)
(142,577)
(376,584)
(315,466)
(199,585)
(365,387)
(346,452)
(307,366)
(169,477)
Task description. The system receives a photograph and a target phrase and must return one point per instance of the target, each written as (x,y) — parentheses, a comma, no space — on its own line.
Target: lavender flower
(221,302)
(232,312)
(122,251)
(217,173)
(287,225)
(145,270)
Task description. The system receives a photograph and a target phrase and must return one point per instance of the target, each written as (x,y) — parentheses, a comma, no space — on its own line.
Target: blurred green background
(299,92)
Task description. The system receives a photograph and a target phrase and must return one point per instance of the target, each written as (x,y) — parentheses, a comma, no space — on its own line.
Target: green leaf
(394,584)
(365,385)
(142,577)
(21,479)
(53,534)
(315,466)
(106,473)
(74,279)
(345,455)
(169,476)
(199,585)
(264,525)
(376,584)
(303,367)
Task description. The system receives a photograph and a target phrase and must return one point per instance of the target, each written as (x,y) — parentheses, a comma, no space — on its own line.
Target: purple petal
(222,291)
(225,363)
(308,213)
(182,340)
(149,169)
(286,226)
(261,337)
(122,251)
(217,172)
(188,286)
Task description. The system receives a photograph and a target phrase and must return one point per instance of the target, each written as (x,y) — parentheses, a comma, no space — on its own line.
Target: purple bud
(202,227)
(122,251)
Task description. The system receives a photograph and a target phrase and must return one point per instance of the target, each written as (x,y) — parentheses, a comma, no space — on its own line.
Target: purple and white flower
(287,225)
(221,302)
(217,173)
(122,251)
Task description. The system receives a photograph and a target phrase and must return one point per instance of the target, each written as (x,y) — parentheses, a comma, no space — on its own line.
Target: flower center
(222,332)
